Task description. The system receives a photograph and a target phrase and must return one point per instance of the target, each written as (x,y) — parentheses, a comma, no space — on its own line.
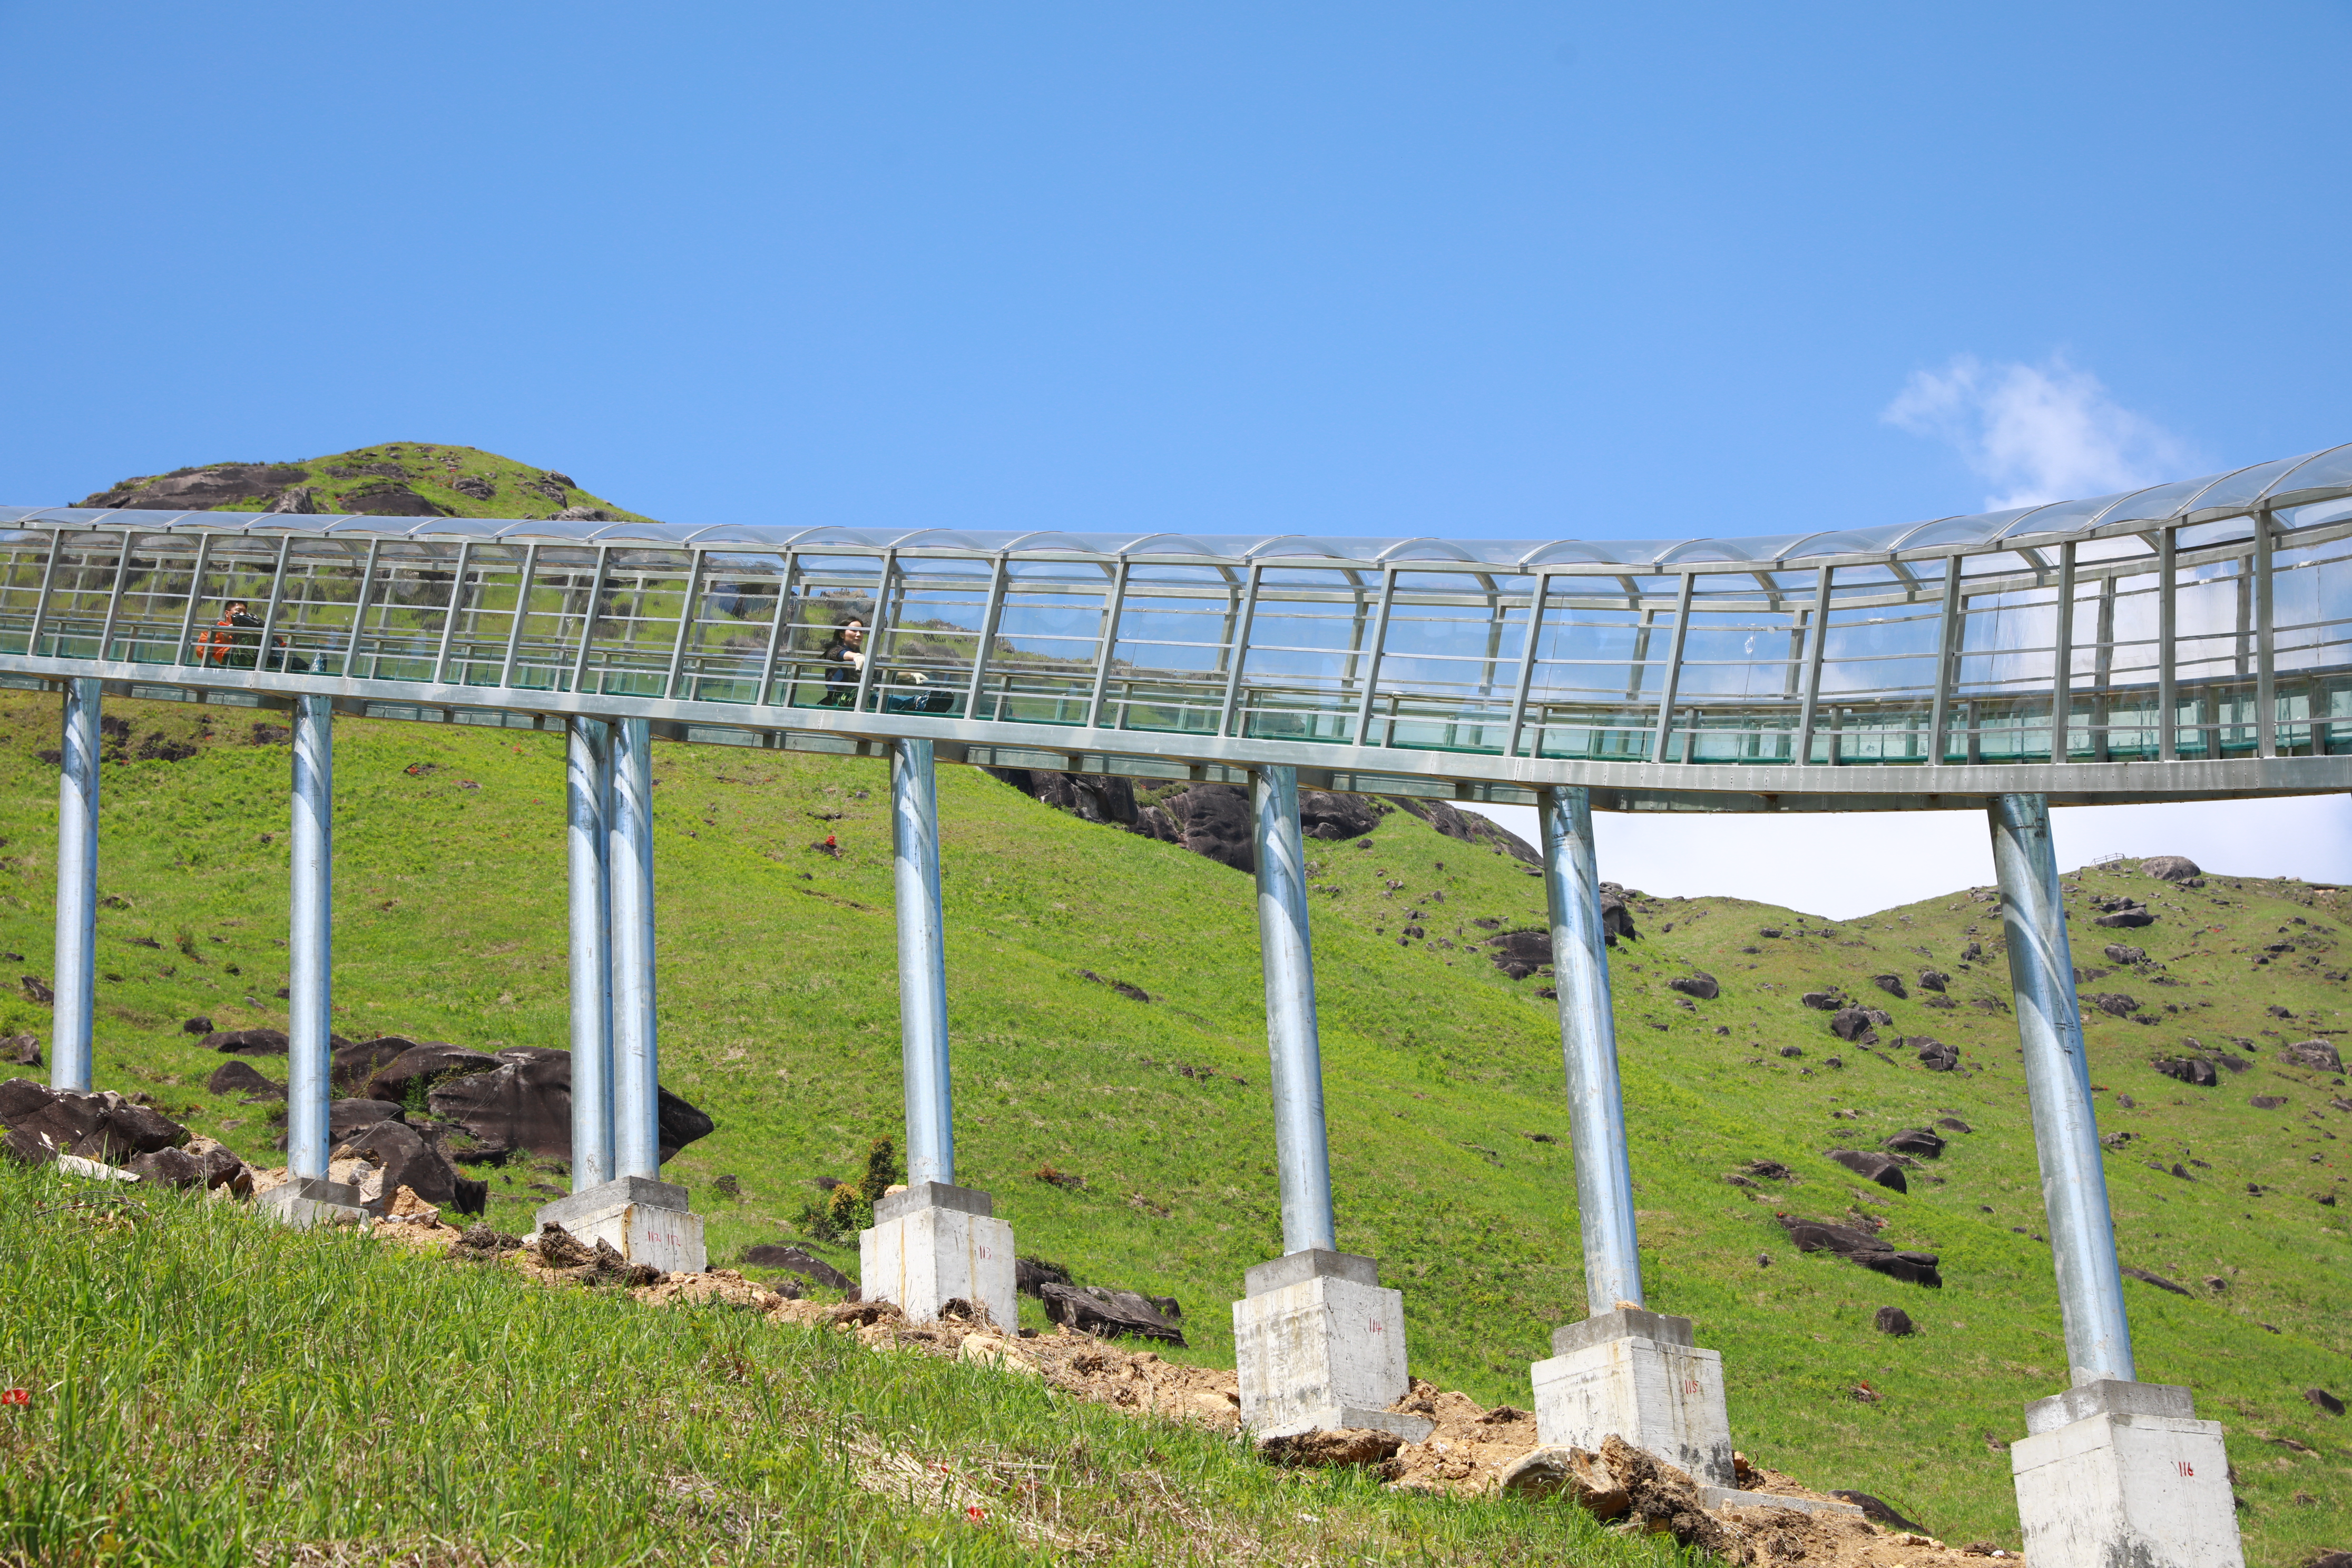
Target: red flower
(975,1513)
(16,1396)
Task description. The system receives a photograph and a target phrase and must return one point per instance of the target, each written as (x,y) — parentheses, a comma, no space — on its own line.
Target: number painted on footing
(2184,1466)
(1690,1385)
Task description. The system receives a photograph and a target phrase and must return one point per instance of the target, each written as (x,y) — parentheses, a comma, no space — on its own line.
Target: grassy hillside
(399,479)
(204,1389)
(780,1017)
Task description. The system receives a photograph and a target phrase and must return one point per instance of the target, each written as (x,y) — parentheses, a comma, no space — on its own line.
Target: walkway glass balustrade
(2200,638)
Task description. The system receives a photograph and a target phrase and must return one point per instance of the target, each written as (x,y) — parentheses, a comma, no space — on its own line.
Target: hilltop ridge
(398,478)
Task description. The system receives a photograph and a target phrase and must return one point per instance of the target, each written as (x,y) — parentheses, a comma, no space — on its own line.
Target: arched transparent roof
(2285,483)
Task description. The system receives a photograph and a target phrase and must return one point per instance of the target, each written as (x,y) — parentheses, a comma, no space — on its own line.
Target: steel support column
(922,964)
(76,972)
(310,967)
(636,1063)
(588,784)
(2058,1089)
(1587,1038)
(1302,1148)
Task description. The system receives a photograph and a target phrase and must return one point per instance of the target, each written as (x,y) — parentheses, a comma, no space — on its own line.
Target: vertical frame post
(588,765)
(588,617)
(685,625)
(636,1055)
(2265,661)
(2061,662)
(49,585)
(873,632)
(76,959)
(456,602)
(778,630)
(1947,661)
(1245,617)
(1110,647)
(1517,721)
(1818,633)
(2058,1090)
(1302,1147)
(310,937)
(1588,1037)
(522,609)
(922,964)
(277,597)
(988,616)
(359,610)
(2167,718)
(196,596)
(1371,663)
(114,600)
(1663,744)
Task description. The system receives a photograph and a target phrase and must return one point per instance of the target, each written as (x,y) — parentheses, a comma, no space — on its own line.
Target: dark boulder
(415,1071)
(1520,953)
(1111,1313)
(2267,1102)
(1091,797)
(1212,820)
(247,1042)
(168,1168)
(1870,1165)
(243,1077)
(102,1126)
(223,485)
(196,1026)
(1701,985)
(1616,915)
(2126,919)
(408,1160)
(1153,822)
(2317,1055)
(2323,1400)
(1938,1057)
(1934,980)
(1860,1246)
(222,1169)
(26,1147)
(1333,817)
(1031,1275)
(1853,1024)
(2171,867)
(1879,1512)
(2118,953)
(387,497)
(1892,985)
(1894,1321)
(770,1256)
(1472,829)
(21,1051)
(347,1119)
(1953,1124)
(525,1104)
(1822,1001)
(2115,1003)
(353,1064)
(2158,1280)
(2194,1070)
(1917,1141)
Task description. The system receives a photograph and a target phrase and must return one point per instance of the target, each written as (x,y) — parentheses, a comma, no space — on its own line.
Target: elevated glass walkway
(2190,640)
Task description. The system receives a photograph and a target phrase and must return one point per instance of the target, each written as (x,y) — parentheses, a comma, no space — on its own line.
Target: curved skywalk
(2195,638)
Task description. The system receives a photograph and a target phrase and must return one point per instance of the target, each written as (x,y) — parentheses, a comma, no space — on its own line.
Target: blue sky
(1503,269)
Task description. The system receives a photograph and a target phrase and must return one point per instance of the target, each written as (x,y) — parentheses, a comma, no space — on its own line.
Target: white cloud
(1856,863)
(2040,433)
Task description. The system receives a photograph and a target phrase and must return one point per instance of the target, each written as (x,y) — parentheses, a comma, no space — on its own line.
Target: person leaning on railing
(845,658)
(234,642)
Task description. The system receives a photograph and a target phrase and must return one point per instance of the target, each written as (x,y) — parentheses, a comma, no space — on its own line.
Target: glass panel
(726,644)
(79,594)
(1175,636)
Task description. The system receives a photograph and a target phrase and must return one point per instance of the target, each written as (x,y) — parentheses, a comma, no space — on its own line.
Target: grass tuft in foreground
(206,1388)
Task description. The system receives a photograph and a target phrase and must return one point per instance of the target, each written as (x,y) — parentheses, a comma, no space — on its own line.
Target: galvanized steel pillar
(588,785)
(1588,1040)
(1302,1146)
(922,964)
(309,941)
(2058,1087)
(76,962)
(637,1065)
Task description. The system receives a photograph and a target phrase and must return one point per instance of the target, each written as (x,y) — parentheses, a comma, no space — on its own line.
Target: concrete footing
(1320,1347)
(307,1201)
(1639,1375)
(2123,1472)
(934,1243)
(647,1221)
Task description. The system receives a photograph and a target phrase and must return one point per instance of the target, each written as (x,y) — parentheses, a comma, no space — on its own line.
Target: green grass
(209,1389)
(428,469)
(780,1017)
